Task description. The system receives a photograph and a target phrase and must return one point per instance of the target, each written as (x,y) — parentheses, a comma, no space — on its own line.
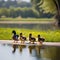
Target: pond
(29,26)
(23,52)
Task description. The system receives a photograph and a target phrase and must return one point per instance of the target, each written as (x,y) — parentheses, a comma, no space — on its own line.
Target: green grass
(50,36)
(26,19)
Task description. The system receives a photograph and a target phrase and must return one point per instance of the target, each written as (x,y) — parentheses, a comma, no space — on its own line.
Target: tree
(3,12)
(49,6)
(36,4)
(57,4)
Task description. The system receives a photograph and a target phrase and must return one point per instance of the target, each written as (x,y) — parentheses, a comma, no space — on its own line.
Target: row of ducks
(23,39)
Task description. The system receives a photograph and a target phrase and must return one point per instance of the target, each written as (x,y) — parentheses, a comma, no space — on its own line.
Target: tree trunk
(59,20)
(57,3)
(58,17)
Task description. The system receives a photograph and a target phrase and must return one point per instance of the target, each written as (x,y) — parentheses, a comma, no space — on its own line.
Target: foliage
(16,12)
(49,6)
(46,6)
(15,9)
(23,12)
(51,36)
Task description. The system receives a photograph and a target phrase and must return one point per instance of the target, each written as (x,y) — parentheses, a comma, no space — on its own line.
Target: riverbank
(26,19)
(49,35)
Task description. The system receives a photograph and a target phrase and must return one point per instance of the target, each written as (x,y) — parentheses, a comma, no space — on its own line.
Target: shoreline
(27,43)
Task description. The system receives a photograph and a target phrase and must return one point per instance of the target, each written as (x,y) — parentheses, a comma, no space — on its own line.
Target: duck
(15,36)
(41,40)
(22,38)
(31,39)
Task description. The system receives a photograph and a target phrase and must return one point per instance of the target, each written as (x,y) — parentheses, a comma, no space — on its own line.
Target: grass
(26,19)
(50,36)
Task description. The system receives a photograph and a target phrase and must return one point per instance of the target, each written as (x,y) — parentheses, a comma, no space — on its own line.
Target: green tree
(12,12)
(36,4)
(4,12)
(49,6)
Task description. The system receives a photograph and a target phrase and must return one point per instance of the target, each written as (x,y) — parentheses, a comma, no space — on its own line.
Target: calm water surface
(22,52)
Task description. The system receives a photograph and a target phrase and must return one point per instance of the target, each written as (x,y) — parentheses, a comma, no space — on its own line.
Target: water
(29,26)
(22,52)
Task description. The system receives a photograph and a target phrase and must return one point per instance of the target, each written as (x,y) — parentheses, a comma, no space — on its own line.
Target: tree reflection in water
(51,52)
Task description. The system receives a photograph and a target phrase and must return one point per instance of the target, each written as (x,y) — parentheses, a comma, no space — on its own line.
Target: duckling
(31,39)
(40,39)
(22,38)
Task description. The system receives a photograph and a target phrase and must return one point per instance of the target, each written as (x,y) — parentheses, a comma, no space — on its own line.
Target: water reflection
(52,53)
(37,26)
(14,48)
(20,47)
(31,48)
(46,53)
(36,48)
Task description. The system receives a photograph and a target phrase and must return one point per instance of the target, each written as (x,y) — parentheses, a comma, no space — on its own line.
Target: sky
(27,0)
(23,0)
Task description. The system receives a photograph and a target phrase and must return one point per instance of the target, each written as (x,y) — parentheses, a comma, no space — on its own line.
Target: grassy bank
(26,19)
(6,34)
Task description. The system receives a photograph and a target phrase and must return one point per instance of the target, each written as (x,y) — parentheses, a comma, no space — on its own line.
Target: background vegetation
(26,19)
(48,6)
(16,8)
(52,36)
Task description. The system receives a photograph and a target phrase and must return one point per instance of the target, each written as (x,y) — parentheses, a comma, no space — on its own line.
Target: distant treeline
(22,12)
(22,9)
(18,12)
